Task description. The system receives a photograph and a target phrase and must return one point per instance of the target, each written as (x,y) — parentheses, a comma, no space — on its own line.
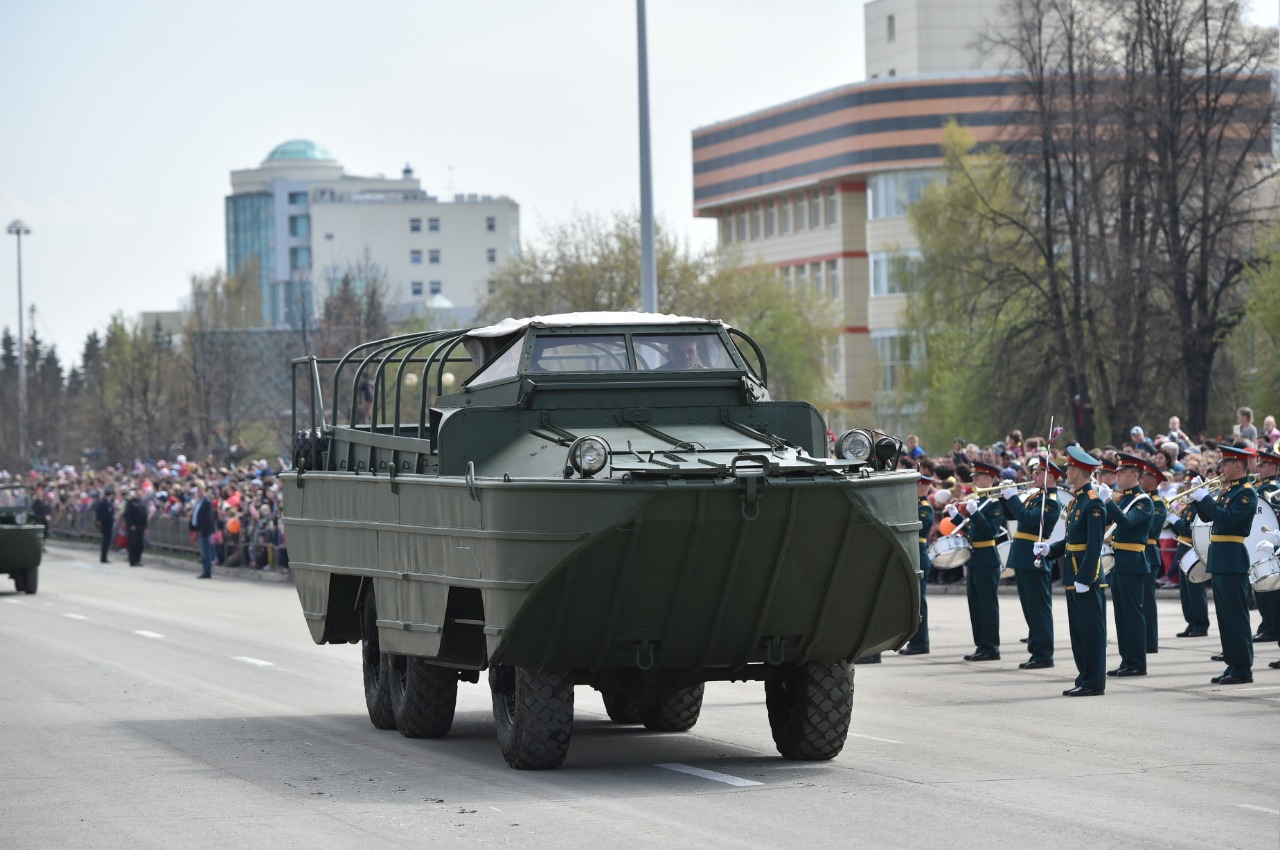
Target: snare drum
(1107,558)
(1002,552)
(1264,575)
(949,552)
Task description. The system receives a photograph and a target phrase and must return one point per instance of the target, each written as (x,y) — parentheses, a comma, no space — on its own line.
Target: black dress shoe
(1083,692)
(202,575)
(866,659)
(1218,657)
(1122,672)
(1152,651)
(1274,665)
(1034,665)
(1023,640)
(1261,638)
(1232,680)
(909,651)
(1192,633)
(983,656)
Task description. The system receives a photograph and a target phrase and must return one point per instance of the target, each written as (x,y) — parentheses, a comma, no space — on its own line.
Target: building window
(491,255)
(833,279)
(784,215)
(297,197)
(437,288)
(837,357)
(815,209)
(888,272)
(415,288)
(433,225)
(491,224)
(830,197)
(769,219)
(802,279)
(755,222)
(435,256)
(890,194)
(415,257)
(299,258)
(726,229)
(891,30)
(300,226)
(815,275)
(742,225)
(895,353)
(800,208)
(415,225)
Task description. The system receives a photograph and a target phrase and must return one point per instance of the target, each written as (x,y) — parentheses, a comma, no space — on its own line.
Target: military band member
(1082,575)
(1132,515)
(1194,596)
(1031,574)
(1106,474)
(919,643)
(1232,514)
(1150,477)
(1268,602)
(982,573)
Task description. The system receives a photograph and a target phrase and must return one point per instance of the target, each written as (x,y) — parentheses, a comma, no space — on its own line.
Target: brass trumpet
(984,492)
(1210,485)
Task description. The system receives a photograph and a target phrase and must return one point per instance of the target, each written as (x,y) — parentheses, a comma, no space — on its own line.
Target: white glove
(1170,518)
(1040,548)
(1104,492)
(1081,587)
(942,497)
(1197,481)
(971,507)
(1266,546)
(1199,494)
(952,512)
(1009,493)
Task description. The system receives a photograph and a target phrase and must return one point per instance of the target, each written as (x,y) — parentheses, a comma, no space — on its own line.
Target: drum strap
(1186,541)
(1225,538)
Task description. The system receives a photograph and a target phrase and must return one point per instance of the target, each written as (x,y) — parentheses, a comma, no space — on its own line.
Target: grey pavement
(141,708)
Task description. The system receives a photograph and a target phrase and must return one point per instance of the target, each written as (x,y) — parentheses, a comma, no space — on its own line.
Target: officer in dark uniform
(135,523)
(982,573)
(1107,474)
(1194,596)
(1131,517)
(1082,575)
(1036,517)
(1150,478)
(1268,602)
(1232,514)
(919,643)
(104,514)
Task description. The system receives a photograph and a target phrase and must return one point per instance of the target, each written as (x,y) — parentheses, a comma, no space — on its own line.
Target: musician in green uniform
(1082,575)
(1232,514)
(1035,517)
(1130,516)
(1150,477)
(1269,601)
(919,643)
(982,573)
(1194,596)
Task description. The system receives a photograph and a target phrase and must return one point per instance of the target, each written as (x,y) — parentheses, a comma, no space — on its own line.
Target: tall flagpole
(648,272)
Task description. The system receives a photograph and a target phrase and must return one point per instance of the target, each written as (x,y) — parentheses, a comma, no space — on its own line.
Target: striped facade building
(819,187)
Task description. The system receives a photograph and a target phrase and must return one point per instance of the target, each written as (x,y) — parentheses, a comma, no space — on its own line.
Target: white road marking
(1267,688)
(75,616)
(708,774)
(145,633)
(874,738)
(14,601)
(1258,809)
(257,662)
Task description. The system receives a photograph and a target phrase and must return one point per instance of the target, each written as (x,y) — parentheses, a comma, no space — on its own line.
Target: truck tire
(533,713)
(677,711)
(620,709)
(377,667)
(810,706)
(423,697)
(30,580)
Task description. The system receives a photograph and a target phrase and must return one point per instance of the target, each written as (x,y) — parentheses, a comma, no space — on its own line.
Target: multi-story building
(819,187)
(306,225)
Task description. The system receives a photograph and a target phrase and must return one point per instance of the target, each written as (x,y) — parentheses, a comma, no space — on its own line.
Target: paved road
(141,708)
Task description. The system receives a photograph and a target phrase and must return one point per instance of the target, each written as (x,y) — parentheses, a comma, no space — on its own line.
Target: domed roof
(299,149)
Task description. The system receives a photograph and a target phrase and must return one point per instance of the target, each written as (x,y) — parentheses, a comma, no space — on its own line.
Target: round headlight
(854,445)
(21,518)
(588,455)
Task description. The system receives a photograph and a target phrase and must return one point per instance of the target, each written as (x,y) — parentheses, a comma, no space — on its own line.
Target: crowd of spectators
(1171,450)
(248,498)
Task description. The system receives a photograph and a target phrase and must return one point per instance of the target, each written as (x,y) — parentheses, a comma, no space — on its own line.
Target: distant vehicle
(21,538)
(603,499)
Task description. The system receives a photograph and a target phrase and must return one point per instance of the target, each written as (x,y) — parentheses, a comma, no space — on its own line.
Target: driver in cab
(682,353)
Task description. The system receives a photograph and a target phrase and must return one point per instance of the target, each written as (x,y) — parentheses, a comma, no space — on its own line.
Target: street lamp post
(19,229)
(648,266)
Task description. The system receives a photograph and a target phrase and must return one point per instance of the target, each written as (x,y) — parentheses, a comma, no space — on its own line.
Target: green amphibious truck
(602,499)
(21,539)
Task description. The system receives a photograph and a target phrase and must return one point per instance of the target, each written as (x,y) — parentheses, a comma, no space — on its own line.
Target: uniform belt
(924,539)
(1077,547)
(1151,541)
(1025,535)
(983,544)
(1225,538)
(1130,547)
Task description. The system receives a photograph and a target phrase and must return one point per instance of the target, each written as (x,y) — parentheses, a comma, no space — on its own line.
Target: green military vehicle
(603,499)
(21,538)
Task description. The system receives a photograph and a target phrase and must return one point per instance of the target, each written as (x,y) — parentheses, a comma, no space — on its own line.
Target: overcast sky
(122,121)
